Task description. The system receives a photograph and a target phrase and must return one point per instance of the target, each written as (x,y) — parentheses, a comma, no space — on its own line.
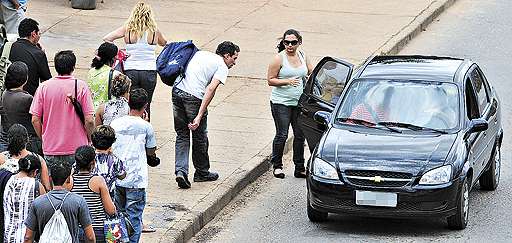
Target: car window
(421,103)
(330,81)
(480,89)
(471,102)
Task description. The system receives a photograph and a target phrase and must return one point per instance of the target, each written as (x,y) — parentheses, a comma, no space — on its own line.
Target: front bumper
(413,201)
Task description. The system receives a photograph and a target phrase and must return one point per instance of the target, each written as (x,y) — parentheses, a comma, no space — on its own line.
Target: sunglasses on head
(293,42)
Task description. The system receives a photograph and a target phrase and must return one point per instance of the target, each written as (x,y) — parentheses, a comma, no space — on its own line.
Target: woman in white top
(141,35)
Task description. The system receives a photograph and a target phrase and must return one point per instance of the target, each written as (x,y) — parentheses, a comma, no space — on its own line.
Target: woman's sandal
(299,174)
(278,173)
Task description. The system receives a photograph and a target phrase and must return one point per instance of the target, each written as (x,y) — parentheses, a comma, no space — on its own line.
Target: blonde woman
(141,35)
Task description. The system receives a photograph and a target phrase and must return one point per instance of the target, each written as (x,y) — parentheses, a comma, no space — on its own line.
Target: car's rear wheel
(315,215)
(460,219)
(491,177)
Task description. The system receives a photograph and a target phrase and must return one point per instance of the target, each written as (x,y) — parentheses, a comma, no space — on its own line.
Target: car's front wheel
(315,215)
(460,219)
(491,177)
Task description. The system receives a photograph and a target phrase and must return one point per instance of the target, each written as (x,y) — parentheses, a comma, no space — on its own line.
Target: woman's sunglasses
(293,42)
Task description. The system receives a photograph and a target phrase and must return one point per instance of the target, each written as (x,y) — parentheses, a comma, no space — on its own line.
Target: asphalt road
(275,210)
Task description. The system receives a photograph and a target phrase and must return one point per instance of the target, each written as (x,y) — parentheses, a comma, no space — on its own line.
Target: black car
(403,136)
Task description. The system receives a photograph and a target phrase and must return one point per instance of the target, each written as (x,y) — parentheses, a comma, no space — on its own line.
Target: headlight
(324,170)
(437,176)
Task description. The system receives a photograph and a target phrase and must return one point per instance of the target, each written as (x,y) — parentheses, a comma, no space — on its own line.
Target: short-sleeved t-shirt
(108,166)
(63,131)
(74,209)
(97,79)
(15,109)
(133,136)
(202,68)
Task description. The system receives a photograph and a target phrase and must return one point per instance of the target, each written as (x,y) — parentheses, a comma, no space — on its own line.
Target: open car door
(321,93)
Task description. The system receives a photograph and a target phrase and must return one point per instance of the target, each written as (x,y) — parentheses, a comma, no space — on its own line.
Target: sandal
(299,174)
(278,173)
(147,229)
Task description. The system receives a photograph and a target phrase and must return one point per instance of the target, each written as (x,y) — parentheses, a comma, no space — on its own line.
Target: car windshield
(415,105)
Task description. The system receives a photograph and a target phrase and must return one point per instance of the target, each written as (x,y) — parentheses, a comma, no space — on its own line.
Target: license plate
(379,199)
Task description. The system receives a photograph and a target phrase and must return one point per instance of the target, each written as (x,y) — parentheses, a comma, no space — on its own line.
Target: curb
(184,229)
(398,41)
(213,203)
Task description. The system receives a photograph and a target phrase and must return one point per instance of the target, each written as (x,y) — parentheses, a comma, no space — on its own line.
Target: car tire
(491,177)
(459,221)
(315,215)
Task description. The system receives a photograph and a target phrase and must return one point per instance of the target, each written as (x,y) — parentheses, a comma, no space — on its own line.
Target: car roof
(428,68)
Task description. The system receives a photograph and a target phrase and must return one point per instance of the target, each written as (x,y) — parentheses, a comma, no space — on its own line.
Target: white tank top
(142,55)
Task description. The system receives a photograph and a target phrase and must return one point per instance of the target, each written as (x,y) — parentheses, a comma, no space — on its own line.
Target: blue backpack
(173,60)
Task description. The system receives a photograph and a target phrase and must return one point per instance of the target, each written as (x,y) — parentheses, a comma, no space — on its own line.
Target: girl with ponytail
(101,71)
(18,138)
(20,192)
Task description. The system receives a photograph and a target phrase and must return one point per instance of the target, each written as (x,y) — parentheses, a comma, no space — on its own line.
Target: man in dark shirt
(28,50)
(15,106)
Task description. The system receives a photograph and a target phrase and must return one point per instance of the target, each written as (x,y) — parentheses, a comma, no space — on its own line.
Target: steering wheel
(439,117)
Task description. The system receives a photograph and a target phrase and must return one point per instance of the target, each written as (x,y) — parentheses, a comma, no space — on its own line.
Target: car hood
(385,151)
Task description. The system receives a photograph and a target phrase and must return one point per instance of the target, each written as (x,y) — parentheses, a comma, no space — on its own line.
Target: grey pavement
(240,124)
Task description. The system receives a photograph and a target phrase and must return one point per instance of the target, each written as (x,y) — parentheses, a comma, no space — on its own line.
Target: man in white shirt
(190,98)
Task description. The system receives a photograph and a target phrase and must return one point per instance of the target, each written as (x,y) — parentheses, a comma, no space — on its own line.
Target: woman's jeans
(284,116)
(145,79)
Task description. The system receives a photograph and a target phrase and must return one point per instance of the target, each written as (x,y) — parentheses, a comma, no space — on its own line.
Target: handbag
(118,229)
(78,107)
(109,85)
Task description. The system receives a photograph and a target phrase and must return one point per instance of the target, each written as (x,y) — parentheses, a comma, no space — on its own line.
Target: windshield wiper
(365,123)
(356,121)
(410,126)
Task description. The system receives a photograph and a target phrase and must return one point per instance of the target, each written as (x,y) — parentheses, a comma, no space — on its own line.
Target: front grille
(401,206)
(367,178)
(372,173)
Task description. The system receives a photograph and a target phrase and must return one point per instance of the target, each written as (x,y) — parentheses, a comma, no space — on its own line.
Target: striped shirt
(93,199)
(18,196)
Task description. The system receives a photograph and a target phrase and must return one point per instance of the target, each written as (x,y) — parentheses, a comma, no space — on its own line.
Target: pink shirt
(62,130)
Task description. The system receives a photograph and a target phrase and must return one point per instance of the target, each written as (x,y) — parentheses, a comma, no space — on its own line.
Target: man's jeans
(284,116)
(131,202)
(185,109)
(12,17)
(52,159)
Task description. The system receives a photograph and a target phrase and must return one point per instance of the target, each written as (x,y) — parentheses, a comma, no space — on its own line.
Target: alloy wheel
(497,164)
(465,202)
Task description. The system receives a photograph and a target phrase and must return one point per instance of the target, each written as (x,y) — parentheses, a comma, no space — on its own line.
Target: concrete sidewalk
(240,124)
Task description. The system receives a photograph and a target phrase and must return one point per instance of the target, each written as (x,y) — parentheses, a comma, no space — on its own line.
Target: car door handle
(304,110)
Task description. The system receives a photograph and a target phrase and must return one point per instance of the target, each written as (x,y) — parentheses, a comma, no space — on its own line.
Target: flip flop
(147,229)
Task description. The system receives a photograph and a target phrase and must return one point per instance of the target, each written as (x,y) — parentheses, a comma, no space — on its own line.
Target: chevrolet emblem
(377,179)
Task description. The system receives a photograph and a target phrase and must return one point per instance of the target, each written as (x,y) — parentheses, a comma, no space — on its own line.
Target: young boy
(107,164)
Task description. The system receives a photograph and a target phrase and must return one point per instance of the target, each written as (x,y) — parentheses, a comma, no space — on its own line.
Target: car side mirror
(477,125)
(322,117)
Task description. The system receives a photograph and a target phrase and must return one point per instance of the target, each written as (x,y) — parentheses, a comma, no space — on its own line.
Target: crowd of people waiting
(47,163)
(48,125)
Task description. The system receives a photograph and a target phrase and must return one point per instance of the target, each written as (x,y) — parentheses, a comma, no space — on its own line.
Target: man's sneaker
(182,180)
(211,176)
